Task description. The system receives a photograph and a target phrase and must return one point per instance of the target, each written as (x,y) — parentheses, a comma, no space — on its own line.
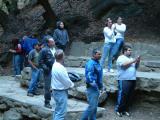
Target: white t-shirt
(119,29)
(125,73)
(53,50)
(60,79)
(109,35)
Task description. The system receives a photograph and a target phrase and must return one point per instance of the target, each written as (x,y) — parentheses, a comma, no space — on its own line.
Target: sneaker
(36,93)
(111,70)
(30,94)
(104,70)
(48,106)
(126,113)
(119,114)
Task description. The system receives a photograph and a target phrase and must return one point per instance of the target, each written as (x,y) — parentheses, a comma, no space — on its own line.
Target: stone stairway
(146,81)
(15,104)
(145,65)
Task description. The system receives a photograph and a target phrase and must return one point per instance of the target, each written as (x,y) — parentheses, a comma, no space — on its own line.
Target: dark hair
(59,54)
(39,44)
(15,42)
(95,51)
(125,48)
(106,23)
(58,24)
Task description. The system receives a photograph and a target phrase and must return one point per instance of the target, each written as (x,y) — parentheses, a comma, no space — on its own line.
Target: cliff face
(84,19)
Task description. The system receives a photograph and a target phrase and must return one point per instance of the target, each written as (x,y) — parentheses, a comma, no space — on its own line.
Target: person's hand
(94,85)
(13,51)
(138,59)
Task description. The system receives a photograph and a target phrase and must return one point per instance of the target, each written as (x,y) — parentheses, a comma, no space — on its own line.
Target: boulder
(12,115)
(80,93)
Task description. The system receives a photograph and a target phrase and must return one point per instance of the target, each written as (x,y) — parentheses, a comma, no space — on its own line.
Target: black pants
(63,47)
(125,94)
(47,85)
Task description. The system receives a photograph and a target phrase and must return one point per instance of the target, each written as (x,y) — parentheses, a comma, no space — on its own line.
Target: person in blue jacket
(93,74)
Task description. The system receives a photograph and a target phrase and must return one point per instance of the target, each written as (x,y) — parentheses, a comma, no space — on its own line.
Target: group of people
(114,40)
(126,70)
(48,58)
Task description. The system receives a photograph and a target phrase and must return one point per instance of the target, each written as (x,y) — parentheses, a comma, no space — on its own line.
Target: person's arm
(121,29)
(137,62)
(108,32)
(30,57)
(91,79)
(42,59)
(55,36)
(64,78)
(67,36)
(19,49)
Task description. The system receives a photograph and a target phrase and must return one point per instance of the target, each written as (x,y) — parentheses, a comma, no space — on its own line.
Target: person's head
(60,25)
(50,42)
(15,42)
(59,55)
(108,22)
(37,46)
(119,20)
(127,50)
(96,54)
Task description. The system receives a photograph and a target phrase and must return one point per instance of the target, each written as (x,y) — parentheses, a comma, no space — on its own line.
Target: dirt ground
(144,107)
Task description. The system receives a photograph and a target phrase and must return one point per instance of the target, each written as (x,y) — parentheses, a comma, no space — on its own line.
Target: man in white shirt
(60,83)
(126,68)
(119,30)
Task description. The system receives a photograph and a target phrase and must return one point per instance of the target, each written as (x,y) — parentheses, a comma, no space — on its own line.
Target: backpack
(74,77)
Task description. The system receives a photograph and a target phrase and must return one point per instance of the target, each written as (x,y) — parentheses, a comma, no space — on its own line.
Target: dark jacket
(60,35)
(46,59)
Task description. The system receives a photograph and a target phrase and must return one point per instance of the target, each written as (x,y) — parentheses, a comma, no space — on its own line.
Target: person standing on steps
(126,72)
(94,84)
(60,83)
(46,61)
(61,36)
(108,45)
(119,30)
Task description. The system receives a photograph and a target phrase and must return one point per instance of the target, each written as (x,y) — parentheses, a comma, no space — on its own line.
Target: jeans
(47,86)
(17,64)
(34,80)
(125,94)
(107,53)
(92,98)
(61,98)
(117,47)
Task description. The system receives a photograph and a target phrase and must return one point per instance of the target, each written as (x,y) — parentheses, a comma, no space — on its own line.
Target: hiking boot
(126,113)
(119,114)
(48,106)
(30,94)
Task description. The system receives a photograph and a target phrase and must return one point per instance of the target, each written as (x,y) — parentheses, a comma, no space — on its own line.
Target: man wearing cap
(33,58)
(46,61)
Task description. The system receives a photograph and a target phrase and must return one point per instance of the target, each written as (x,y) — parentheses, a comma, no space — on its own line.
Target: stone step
(145,66)
(13,97)
(146,81)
